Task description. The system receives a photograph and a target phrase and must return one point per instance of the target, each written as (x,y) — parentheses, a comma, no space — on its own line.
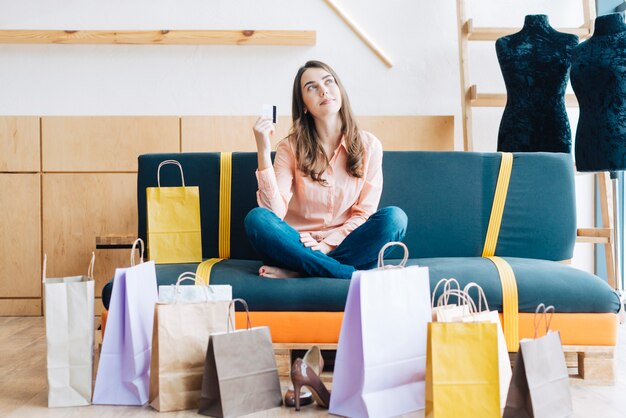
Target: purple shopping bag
(124,369)
(380,368)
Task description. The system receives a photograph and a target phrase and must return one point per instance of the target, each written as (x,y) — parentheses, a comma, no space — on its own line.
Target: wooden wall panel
(20,235)
(411,133)
(20,307)
(19,143)
(234,133)
(105,143)
(79,207)
(225,133)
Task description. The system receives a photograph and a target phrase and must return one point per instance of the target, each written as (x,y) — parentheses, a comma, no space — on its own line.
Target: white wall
(420,36)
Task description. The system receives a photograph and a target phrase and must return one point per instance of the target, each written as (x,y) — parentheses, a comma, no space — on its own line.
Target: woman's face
(320,92)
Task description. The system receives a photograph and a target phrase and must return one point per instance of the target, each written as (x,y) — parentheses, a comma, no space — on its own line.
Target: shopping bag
(443,310)
(194,294)
(173,221)
(124,368)
(69,303)
(381,356)
(180,337)
(462,370)
(540,384)
(240,373)
(483,314)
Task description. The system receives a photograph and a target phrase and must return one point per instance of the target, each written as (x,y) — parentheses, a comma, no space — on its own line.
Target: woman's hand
(263,130)
(308,241)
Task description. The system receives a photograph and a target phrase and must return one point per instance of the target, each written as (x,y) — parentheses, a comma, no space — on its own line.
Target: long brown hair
(310,156)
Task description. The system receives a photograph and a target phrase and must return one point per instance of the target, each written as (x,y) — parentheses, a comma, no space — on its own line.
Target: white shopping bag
(380,366)
(444,311)
(124,368)
(483,314)
(175,293)
(69,303)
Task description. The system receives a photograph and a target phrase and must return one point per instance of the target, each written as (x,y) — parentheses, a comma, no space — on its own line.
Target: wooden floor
(23,391)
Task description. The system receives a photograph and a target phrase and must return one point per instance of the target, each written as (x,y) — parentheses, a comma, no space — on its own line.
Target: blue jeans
(279,244)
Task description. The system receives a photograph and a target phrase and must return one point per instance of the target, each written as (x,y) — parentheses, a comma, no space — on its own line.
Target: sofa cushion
(446,195)
(570,290)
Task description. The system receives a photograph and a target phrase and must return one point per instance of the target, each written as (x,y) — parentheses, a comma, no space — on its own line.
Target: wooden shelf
(160,37)
(491,34)
(499,99)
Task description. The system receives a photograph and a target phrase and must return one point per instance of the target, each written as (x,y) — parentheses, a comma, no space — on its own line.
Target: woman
(317,205)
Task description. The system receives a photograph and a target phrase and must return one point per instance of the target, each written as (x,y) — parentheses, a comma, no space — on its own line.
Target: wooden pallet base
(594,365)
(588,364)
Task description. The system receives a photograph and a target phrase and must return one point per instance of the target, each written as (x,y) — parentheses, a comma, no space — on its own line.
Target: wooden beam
(466,93)
(159,37)
(594,235)
(358,32)
(492,33)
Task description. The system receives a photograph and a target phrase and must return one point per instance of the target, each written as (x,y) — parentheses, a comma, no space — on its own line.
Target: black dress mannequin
(599,81)
(535,64)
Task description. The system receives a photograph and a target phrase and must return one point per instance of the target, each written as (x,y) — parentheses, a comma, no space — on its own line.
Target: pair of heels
(306,372)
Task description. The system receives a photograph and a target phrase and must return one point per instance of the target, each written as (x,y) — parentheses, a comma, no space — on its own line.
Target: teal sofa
(448,198)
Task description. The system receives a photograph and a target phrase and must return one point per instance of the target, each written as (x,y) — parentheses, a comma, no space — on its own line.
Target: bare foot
(277,272)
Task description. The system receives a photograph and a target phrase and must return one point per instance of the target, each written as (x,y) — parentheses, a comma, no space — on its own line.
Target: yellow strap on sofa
(497,207)
(226,174)
(223,244)
(510,306)
(203,272)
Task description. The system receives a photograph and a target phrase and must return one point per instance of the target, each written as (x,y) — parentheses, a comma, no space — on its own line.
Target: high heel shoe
(303,375)
(313,359)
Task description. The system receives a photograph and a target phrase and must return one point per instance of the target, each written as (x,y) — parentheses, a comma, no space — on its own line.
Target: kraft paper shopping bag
(483,314)
(124,369)
(173,221)
(381,356)
(69,304)
(180,338)
(240,373)
(462,370)
(540,385)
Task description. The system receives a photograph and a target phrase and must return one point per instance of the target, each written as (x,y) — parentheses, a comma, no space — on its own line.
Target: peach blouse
(328,212)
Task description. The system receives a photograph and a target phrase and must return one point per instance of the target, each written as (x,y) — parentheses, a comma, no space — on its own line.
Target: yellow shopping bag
(462,370)
(173,219)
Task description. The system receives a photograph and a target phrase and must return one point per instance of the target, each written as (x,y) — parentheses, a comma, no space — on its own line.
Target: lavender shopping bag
(124,370)
(380,366)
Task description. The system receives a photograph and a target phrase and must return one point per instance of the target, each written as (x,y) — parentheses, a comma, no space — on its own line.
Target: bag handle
(188,275)
(132,252)
(89,269)
(446,286)
(481,295)
(231,325)
(543,312)
(91,265)
(182,176)
(381,255)
(461,296)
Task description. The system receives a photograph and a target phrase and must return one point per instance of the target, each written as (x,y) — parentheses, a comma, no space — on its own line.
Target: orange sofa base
(323,327)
